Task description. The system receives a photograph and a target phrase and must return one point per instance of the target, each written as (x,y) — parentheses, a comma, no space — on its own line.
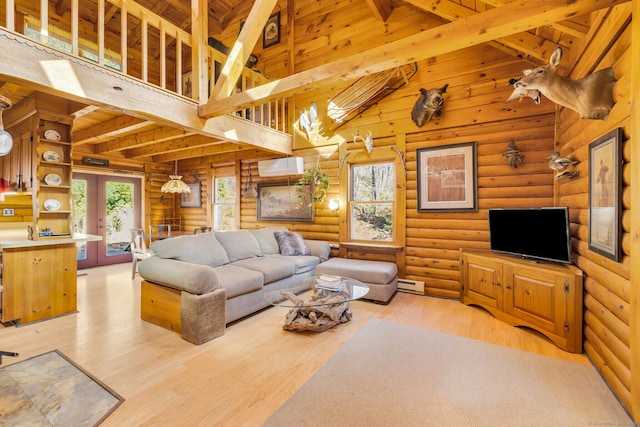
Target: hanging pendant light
(175,184)
(6,141)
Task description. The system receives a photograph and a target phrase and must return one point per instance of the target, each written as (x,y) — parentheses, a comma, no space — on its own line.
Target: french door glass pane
(120,216)
(79,213)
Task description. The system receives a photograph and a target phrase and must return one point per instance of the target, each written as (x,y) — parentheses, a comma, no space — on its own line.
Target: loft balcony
(135,78)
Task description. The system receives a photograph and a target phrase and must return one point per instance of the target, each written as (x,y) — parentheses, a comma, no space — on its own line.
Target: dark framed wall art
(194,198)
(271,33)
(447,178)
(284,201)
(605,193)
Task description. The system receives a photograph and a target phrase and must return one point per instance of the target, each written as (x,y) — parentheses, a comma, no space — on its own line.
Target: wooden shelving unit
(53,166)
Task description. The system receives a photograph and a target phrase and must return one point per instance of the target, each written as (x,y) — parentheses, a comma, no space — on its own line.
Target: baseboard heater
(411,286)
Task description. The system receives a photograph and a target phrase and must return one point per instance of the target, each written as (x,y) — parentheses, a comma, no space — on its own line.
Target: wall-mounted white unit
(281,167)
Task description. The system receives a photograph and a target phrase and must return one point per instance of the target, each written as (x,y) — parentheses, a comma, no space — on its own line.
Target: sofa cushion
(366,271)
(237,280)
(201,248)
(239,244)
(302,263)
(272,269)
(319,248)
(266,239)
(291,243)
(184,276)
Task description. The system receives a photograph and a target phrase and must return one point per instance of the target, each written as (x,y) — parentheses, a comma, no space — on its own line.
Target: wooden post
(199,37)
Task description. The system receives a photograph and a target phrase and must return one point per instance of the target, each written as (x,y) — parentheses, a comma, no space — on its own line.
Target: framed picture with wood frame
(271,33)
(194,198)
(447,178)
(284,201)
(605,195)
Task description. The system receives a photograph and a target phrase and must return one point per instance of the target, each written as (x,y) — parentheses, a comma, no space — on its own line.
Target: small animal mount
(567,174)
(428,105)
(368,141)
(513,155)
(521,92)
(590,96)
(559,163)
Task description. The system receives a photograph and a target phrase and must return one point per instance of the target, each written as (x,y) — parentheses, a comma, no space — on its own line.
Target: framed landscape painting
(284,201)
(447,178)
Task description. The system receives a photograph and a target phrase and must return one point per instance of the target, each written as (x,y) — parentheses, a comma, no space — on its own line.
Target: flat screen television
(536,233)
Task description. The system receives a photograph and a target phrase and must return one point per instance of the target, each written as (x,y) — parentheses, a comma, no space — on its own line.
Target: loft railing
(135,41)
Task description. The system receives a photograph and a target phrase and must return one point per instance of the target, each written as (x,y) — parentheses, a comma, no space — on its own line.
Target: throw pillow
(239,244)
(201,248)
(291,243)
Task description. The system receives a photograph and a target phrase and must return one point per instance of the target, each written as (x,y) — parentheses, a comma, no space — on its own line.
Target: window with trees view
(372,202)
(224,203)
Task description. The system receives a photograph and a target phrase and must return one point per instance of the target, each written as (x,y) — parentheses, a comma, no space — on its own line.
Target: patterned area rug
(50,390)
(391,374)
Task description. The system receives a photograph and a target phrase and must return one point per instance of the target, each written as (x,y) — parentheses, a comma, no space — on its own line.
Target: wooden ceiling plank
(171,146)
(528,43)
(241,49)
(141,139)
(213,150)
(381,9)
(496,23)
(564,26)
(108,129)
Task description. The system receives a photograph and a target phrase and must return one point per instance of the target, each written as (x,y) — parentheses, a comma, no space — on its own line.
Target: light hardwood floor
(236,380)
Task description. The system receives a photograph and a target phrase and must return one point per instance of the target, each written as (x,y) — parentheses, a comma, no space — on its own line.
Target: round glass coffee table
(318,306)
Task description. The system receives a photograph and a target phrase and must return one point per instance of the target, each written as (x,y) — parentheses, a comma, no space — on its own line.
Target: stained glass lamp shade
(175,183)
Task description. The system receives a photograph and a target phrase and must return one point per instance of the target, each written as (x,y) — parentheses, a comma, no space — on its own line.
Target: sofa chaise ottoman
(380,276)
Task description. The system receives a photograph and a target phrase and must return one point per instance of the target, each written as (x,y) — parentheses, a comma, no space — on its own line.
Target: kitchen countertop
(17,238)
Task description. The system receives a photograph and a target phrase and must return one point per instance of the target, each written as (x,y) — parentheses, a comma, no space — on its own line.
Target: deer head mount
(590,96)
(428,105)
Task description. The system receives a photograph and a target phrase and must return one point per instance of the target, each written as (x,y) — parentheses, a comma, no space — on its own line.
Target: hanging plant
(319,182)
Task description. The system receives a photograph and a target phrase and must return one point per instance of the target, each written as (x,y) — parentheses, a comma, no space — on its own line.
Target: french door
(107,206)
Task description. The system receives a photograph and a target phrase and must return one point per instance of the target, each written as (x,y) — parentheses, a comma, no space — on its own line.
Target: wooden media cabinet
(546,297)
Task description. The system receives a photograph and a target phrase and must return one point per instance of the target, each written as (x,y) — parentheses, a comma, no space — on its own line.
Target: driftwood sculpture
(325,310)
(428,105)
(591,96)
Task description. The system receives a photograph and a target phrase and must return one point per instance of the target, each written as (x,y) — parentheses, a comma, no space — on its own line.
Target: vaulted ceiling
(529,29)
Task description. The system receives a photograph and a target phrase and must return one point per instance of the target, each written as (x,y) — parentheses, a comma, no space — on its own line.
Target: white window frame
(352,203)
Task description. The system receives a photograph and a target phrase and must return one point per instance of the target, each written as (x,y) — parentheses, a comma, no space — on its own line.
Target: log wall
(607,284)
(475,111)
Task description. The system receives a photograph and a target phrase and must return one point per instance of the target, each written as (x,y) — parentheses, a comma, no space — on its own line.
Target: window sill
(372,247)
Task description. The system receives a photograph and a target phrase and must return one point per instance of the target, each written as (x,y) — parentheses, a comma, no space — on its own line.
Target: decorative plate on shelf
(53,179)
(51,156)
(52,205)
(52,135)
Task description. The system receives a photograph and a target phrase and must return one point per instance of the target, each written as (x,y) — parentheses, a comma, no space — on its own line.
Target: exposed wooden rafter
(504,21)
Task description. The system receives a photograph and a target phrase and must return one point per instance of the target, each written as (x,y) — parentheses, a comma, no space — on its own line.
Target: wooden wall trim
(635,219)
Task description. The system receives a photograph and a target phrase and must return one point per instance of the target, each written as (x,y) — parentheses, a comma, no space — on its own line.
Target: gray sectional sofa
(197,284)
